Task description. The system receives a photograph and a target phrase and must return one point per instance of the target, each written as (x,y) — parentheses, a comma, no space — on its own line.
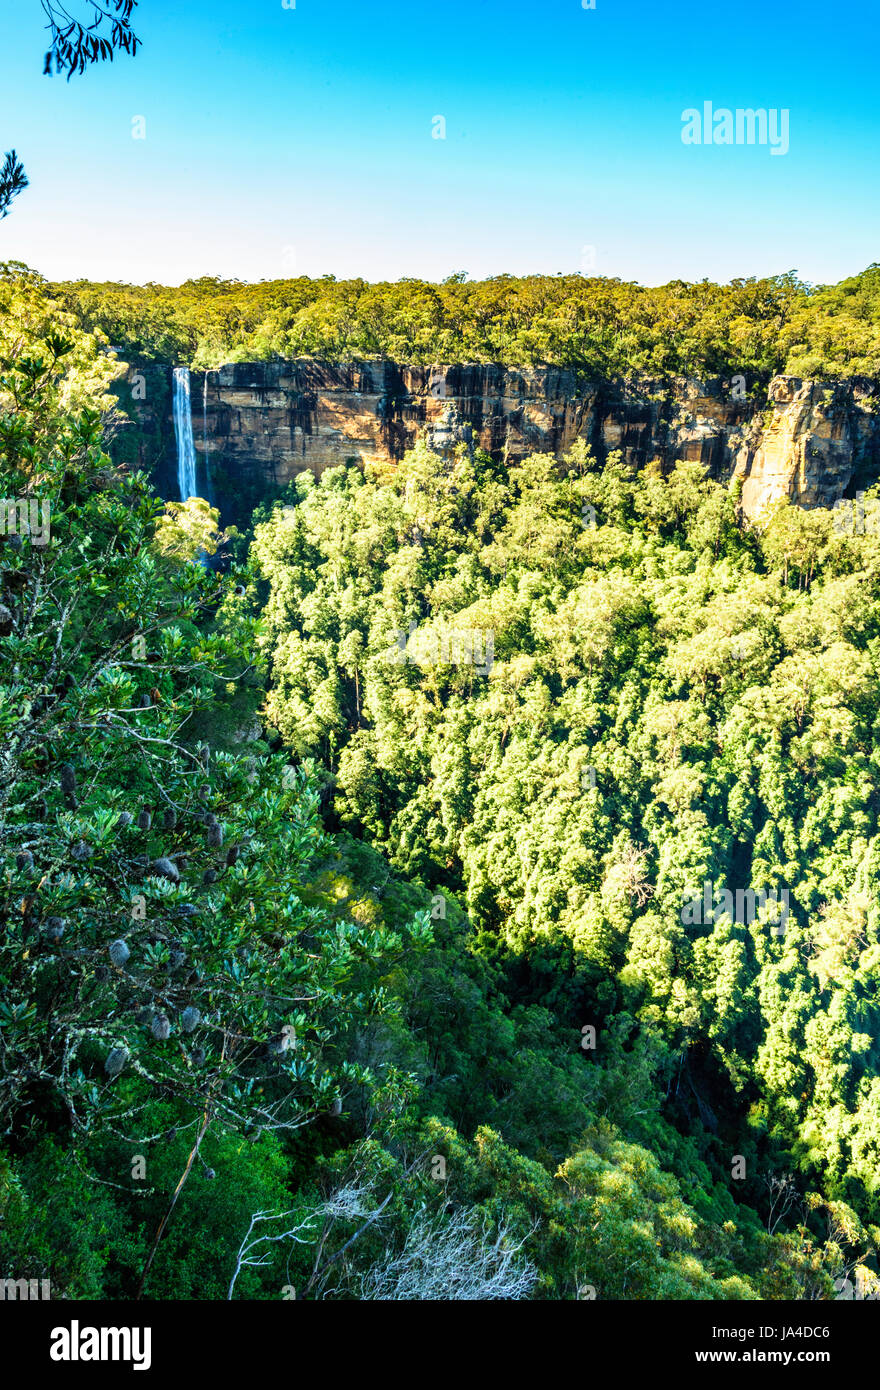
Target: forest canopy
(605,327)
(363,928)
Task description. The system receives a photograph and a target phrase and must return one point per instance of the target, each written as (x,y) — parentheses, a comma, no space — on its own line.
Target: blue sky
(299,141)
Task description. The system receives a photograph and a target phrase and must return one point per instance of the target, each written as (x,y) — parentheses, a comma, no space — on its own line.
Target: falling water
(183,429)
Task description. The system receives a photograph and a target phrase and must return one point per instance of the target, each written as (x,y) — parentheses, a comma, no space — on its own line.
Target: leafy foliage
(154,940)
(676,701)
(12,180)
(76,44)
(604,328)
(336,962)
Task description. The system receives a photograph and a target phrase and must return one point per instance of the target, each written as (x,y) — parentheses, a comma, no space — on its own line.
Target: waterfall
(183,430)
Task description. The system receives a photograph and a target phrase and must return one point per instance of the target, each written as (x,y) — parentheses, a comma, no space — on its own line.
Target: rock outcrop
(258,424)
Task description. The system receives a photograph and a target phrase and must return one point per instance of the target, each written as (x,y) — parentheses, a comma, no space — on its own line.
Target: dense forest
(396,912)
(600,326)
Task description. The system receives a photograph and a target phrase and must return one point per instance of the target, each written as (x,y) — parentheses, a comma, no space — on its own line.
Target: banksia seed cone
(119,952)
(166,868)
(116,1060)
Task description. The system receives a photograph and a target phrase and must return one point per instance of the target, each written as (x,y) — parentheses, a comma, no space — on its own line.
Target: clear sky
(285,141)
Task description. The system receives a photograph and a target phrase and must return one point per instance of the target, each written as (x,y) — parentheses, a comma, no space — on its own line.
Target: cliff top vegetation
(605,327)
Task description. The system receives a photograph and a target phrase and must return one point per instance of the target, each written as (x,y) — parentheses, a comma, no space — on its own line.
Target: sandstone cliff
(258,424)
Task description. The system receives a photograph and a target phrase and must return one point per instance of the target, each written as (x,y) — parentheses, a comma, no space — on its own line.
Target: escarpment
(257,424)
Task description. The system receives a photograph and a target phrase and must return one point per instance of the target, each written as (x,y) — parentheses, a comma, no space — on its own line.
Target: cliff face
(256,425)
